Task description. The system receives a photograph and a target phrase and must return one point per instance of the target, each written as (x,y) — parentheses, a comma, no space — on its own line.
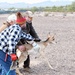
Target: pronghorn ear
(4,23)
(48,35)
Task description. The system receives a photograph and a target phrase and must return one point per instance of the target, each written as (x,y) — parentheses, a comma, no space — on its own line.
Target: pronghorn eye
(53,38)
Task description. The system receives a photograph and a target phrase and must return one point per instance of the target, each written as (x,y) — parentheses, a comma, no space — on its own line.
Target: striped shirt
(10,37)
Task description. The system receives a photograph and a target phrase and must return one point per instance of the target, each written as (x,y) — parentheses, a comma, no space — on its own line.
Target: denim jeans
(5,65)
(2,70)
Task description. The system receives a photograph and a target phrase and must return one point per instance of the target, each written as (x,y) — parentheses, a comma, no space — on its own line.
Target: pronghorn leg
(17,71)
(44,56)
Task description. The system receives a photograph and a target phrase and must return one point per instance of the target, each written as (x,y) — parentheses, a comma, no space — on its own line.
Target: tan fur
(3,27)
(24,54)
(42,44)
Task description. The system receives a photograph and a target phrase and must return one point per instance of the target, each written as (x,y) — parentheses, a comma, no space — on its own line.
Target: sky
(31,1)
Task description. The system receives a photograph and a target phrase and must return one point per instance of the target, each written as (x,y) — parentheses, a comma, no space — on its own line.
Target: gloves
(14,57)
(37,40)
(35,49)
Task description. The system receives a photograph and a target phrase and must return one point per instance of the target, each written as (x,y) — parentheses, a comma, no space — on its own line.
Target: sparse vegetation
(67,8)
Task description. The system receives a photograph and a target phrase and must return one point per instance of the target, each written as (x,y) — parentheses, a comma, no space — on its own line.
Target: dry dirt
(60,55)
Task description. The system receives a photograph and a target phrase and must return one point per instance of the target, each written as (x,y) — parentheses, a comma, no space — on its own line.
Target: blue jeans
(5,65)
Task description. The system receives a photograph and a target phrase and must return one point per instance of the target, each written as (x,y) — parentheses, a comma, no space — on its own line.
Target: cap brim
(30,15)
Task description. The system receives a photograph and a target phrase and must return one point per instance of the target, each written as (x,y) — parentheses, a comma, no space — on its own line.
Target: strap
(8,72)
(6,57)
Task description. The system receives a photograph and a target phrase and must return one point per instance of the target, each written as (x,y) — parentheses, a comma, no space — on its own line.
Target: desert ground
(60,55)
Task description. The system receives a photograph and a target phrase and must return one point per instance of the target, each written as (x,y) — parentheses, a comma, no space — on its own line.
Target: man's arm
(15,36)
(33,33)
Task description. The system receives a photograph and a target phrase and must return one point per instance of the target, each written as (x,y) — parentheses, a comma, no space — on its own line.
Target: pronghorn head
(50,38)
(6,23)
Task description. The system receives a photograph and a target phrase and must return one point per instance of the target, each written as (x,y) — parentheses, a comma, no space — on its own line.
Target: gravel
(61,55)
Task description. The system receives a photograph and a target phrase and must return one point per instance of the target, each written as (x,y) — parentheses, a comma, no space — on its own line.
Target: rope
(8,72)
(6,57)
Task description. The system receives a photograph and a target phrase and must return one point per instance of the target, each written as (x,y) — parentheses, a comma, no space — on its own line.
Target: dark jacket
(29,29)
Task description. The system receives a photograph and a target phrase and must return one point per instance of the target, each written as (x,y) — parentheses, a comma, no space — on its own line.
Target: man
(28,28)
(9,38)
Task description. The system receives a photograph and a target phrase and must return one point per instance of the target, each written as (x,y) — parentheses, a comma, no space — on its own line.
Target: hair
(20,19)
(12,17)
(19,15)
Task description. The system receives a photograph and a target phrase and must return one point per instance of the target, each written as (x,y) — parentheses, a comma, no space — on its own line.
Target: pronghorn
(23,54)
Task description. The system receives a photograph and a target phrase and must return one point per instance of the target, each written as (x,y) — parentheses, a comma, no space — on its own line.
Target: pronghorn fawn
(23,54)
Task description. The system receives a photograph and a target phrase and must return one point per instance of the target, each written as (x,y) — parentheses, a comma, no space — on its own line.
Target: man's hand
(37,40)
(35,50)
(36,47)
(21,47)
